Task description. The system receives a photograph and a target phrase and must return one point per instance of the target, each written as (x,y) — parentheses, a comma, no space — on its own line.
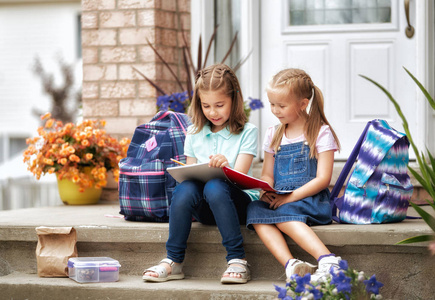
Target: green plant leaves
(417,239)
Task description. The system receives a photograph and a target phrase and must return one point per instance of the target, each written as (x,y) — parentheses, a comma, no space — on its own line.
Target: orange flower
(74,157)
(59,149)
(75,178)
(48,161)
(46,116)
(71,149)
(49,123)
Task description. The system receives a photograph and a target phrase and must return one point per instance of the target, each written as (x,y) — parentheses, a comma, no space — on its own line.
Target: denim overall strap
(293,166)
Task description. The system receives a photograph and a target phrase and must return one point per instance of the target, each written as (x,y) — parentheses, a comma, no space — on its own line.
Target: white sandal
(160,270)
(298,267)
(243,270)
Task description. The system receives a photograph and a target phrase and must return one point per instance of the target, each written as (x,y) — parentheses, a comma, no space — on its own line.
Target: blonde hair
(299,84)
(218,78)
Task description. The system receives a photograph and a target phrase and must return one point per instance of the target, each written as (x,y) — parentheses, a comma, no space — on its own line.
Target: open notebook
(202,172)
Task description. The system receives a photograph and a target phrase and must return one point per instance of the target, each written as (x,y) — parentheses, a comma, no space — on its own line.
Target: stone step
(137,245)
(30,286)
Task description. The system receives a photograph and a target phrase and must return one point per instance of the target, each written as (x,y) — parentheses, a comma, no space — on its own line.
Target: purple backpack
(379,188)
(145,187)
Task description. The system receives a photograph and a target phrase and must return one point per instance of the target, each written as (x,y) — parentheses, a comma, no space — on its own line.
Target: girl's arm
(267,175)
(190,160)
(325,163)
(267,172)
(243,162)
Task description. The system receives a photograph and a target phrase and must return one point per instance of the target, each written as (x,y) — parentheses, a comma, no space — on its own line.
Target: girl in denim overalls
(298,157)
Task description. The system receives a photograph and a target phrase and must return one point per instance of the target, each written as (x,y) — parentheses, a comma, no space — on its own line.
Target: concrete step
(29,286)
(403,269)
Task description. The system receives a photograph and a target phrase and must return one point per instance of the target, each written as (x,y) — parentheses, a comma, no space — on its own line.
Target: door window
(338,15)
(320,12)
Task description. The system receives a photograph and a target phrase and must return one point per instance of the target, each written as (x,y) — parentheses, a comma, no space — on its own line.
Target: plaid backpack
(145,187)
(379,188)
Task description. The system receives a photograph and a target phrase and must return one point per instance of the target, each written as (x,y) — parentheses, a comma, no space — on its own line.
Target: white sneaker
(298,267)
(325,265)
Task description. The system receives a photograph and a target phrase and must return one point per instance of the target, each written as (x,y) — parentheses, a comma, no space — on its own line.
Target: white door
(334,41)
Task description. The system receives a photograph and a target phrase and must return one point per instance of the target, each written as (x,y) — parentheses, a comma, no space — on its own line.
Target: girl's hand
(279,199)
(267,197)
(218,161)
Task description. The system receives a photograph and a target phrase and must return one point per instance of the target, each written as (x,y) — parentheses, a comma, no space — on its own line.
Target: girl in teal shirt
(221,136)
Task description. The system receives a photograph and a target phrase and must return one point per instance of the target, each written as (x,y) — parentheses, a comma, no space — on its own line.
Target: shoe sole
(163,279)
(304,269)
(234,280)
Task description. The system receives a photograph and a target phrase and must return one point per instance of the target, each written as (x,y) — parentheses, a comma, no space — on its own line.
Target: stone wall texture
(114,40)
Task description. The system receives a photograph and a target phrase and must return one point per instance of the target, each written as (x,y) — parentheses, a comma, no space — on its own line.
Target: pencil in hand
(178,162)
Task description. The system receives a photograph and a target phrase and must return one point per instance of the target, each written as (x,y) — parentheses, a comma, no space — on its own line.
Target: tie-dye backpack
(379,188)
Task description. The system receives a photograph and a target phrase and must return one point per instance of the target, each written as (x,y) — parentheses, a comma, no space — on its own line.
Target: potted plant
(79,154)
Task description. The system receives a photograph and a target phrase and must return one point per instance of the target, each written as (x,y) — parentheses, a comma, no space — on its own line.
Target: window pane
(320,12)
(227,16)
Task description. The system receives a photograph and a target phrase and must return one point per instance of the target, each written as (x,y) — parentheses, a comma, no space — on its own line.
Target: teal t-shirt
(205,143)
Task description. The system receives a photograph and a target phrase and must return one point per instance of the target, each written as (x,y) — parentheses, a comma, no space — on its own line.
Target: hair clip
(312,94)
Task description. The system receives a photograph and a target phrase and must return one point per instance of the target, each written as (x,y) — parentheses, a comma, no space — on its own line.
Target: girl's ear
(304,104)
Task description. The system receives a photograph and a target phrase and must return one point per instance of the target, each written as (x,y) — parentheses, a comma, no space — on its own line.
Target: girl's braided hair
(218,78)
(298,83)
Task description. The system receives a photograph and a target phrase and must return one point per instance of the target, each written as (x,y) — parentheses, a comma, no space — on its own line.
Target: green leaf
(431,158)
(425,92)
(419,178)
(429,219)
(417,239)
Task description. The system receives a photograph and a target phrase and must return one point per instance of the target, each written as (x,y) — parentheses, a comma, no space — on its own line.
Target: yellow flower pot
(69,193)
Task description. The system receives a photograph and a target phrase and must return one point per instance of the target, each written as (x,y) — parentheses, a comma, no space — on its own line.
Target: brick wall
(114,34)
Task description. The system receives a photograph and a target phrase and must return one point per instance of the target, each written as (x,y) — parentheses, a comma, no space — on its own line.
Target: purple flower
(342,282)
(303,283)
(282,292)
(175,102)
(177,106)
(343,265)
(316,293)
(180,97)
(163,100)
(255,103)
(373,286)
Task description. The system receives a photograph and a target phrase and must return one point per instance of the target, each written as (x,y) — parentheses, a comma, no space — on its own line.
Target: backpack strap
(335,202)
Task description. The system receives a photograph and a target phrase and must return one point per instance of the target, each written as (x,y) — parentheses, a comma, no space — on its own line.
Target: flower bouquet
(81,152)
(343,283)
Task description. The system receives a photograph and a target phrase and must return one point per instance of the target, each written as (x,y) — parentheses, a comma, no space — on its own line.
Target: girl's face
(287,108)
(216,107)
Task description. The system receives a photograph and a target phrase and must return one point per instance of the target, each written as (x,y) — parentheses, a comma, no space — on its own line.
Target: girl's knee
(215,189)
(186,193)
